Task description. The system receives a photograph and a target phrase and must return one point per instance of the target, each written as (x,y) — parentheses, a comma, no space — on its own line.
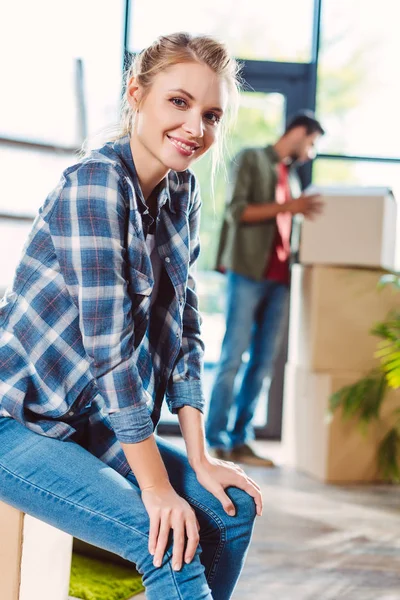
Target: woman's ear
(134,93)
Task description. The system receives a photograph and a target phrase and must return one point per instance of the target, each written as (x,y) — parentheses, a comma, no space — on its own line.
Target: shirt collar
(272,154)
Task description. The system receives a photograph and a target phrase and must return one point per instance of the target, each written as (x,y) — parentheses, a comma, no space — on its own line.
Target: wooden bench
(35,558)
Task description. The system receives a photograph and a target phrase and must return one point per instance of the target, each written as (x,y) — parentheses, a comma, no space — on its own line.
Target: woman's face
(178,119)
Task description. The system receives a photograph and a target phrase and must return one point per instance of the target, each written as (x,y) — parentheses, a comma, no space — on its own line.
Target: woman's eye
(212,117)
(179,102)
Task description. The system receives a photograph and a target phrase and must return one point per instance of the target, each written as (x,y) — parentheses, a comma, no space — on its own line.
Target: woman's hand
(217,475)
(167,510)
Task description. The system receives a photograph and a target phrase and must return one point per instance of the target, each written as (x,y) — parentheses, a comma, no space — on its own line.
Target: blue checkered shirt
(80,339)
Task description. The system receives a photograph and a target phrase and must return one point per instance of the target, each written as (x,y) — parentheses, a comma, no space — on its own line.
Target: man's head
(300,136)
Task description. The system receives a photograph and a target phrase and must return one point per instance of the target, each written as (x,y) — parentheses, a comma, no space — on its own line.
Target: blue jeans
(254,322)
(64,485)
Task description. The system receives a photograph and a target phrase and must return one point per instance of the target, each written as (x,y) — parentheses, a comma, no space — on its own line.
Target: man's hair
(306,119)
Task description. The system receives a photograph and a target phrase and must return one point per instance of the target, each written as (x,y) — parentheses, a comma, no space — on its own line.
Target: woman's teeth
(184,146)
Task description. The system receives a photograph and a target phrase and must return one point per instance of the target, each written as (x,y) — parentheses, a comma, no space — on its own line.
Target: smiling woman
(101,323)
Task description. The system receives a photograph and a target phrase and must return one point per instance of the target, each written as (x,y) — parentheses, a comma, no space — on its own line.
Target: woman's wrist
(156,486)
(199,461)
(146,463)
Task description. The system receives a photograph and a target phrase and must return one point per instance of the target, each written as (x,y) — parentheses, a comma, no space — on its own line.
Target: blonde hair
(168,50)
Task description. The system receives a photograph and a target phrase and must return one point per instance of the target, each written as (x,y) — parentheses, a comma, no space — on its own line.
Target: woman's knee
(163,581)
(239,528)
(241,524)
(244,504)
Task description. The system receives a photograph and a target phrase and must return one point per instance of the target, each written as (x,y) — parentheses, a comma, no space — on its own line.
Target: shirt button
(177,334)
(71,413)
(167,260)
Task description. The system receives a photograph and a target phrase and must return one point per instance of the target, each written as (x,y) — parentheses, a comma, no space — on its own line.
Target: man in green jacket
(257,238)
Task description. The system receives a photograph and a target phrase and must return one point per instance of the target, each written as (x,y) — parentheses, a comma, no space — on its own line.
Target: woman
(101,323)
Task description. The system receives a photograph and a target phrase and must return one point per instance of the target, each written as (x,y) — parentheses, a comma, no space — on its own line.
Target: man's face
(304,146)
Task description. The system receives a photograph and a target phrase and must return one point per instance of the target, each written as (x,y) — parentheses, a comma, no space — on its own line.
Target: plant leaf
(363,398)
(388,456)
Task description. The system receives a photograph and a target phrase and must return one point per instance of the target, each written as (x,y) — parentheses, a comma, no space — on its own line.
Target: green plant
(364,398)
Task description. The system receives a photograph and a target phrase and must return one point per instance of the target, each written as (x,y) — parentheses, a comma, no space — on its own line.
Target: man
(255,249)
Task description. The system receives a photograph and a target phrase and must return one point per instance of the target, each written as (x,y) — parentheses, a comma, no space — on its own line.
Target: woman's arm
(214,475)
(166,509)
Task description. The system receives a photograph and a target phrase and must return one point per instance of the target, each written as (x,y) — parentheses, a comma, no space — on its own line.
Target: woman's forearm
(191,422)
(146,463)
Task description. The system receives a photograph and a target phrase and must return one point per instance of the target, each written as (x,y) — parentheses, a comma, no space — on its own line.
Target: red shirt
(277,267)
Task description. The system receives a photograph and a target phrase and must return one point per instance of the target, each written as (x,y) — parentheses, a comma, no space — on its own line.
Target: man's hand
(309,206)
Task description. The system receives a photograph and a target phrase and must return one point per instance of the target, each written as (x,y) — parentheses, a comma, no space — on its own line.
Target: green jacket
(245,248)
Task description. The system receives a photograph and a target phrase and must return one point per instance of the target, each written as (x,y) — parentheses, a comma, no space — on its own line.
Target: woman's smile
(184,147)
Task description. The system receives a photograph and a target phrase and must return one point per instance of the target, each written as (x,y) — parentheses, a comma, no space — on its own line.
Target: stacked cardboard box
(332,311)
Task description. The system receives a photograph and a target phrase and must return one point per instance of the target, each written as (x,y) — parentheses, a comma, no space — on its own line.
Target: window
(253,29)
(28,175)
(260,121)
(358,86)
(40,43)
(39,75)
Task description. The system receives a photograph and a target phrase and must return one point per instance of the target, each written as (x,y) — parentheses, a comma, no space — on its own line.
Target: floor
(319,542)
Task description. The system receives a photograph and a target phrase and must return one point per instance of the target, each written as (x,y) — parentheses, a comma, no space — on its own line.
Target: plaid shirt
(79,337)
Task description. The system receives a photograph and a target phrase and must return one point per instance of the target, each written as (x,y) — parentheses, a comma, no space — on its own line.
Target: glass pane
(48,116)
(253,29)
(260,122)
(38,76)
(37,173)
(358,87)
(337,172)
(13,235)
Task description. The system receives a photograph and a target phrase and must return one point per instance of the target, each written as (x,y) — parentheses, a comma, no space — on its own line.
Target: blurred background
(61,81)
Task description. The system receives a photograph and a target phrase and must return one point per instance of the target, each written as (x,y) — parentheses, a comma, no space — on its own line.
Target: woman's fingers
(192,532)
(254,483)
(162,541)
(250,489)
(153,533)
(185,533)
(226,502)
(179,544)
(249,486)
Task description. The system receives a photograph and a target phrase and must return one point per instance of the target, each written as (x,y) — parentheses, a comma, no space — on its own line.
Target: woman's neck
(149,170)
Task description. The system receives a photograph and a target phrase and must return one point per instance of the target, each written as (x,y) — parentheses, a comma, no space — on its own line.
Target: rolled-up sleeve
(185,386)
(87,225)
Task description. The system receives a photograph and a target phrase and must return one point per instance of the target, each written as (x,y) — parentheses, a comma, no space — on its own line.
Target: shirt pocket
(140,289)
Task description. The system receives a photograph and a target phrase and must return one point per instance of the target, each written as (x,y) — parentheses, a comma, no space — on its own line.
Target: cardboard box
(35,558)
(332,450)
(357,228)
(332,310)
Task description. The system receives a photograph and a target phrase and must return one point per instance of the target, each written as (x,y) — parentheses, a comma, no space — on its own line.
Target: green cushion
(93,579)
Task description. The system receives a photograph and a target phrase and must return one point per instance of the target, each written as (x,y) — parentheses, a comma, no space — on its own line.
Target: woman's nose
(194,124)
